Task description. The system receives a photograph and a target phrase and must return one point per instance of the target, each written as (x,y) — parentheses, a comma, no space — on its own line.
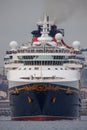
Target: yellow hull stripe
(42,87)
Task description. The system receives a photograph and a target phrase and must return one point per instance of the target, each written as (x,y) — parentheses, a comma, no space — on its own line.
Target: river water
(7,124)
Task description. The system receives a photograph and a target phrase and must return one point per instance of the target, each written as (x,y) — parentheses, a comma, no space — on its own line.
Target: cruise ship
(44,75)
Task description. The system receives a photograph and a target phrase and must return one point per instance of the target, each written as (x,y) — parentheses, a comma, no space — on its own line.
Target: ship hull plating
(44,101)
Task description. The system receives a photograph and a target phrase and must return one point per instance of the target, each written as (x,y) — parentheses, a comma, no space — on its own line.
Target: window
(36,68)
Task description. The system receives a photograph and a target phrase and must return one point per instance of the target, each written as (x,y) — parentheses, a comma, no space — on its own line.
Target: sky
(19,17)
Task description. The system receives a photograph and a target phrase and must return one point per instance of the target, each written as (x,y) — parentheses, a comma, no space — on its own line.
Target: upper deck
(47,48)
(56,50)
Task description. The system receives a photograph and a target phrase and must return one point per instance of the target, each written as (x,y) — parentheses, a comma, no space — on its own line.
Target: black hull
(44,102)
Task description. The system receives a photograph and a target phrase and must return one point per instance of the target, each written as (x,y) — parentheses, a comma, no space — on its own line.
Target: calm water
(7,124)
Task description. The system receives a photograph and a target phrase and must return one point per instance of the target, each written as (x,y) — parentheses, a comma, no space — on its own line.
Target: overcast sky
(18,18)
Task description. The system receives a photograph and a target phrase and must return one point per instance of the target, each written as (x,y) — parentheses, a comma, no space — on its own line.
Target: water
(7,124)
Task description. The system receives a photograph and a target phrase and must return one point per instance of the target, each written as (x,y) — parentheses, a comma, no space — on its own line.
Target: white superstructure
(44,60)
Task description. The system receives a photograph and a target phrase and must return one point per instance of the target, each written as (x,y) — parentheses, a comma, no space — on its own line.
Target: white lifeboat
(36,43)
(52,43)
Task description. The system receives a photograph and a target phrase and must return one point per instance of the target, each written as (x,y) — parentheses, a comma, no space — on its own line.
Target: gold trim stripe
(42,87)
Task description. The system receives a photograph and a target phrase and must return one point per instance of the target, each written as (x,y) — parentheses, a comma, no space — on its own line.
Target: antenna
(45,29)
(45,26)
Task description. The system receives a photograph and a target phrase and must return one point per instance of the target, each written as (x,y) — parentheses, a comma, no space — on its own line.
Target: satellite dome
(13,45)
(76,44)
(58,37)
